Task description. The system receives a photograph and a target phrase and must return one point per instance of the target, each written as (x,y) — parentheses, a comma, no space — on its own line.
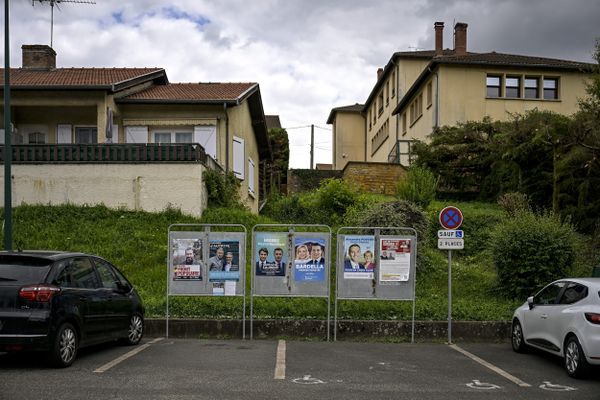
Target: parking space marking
(125,356)
(486,364)
(280,361)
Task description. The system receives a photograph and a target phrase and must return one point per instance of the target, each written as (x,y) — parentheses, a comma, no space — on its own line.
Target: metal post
(7,137)
(312,146)
(449,296)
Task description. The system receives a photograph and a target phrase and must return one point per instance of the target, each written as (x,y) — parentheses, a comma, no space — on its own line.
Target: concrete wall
(372,177)
(349,138)
(148,187)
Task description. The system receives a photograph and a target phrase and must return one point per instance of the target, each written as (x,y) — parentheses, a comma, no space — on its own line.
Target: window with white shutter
(136,134)
(251,176)
(206,135)
(64,134)
(239,158)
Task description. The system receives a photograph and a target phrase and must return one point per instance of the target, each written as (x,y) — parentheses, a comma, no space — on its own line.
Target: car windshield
(23,270)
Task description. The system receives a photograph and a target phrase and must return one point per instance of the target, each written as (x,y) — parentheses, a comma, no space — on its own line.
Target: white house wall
(147,187)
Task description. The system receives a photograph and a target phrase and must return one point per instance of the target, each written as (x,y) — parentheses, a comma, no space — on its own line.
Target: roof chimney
(439,38)
(460,39)
(38,56)
(379,73)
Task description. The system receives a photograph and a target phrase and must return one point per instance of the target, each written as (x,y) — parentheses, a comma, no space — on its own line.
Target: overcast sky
(307,55)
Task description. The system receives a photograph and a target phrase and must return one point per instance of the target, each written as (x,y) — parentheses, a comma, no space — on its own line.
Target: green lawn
(137,243)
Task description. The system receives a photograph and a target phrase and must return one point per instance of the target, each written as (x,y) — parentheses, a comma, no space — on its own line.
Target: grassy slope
(137,243)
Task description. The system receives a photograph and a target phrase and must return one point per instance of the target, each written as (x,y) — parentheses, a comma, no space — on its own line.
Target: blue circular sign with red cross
(451,217)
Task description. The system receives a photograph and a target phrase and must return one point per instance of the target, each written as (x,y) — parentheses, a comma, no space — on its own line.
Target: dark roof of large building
(79,78)
(272,122)
(354,108)
(193,93)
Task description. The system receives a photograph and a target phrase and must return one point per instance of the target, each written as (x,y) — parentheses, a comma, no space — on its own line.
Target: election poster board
(206,263)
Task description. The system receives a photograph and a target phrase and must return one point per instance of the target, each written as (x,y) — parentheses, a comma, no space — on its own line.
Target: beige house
(127,137)
(420,90)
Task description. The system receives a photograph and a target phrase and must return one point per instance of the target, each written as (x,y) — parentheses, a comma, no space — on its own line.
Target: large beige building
(130,134)
(417,91)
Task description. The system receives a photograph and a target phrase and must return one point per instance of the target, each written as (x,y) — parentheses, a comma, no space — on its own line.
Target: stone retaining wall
(359,330)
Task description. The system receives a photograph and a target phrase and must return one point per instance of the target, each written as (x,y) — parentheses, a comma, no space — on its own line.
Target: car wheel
(517,338)
(65,345)
(135,330)
(575,362)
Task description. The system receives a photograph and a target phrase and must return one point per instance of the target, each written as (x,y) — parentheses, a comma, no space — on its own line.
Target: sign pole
(449,296)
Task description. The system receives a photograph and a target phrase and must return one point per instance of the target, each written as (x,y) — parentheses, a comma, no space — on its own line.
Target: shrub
(222,189)
(335,196)
(531,250)
(514,203)
(395,214)
(419,186)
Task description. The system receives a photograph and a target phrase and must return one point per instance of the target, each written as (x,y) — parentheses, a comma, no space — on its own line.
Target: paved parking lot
(233,369)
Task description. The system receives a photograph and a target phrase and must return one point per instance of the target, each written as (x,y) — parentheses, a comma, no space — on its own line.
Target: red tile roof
(192,92)
(75,77)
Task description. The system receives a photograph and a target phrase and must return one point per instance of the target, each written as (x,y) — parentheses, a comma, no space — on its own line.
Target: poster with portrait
(270,254)
(309,259)
(359,256)
(224,261)
(187,259)
(394,263)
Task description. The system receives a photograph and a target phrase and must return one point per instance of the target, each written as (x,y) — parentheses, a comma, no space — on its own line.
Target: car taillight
(42,293)
(593,317)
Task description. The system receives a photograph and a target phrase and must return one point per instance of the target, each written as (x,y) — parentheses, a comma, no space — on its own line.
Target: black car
(58,302)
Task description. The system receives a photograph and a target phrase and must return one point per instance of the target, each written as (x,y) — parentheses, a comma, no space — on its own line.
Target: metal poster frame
(287,286)
(205,231)
(386,289)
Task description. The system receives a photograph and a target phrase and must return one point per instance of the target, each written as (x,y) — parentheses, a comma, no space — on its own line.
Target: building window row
(522,87)
(382,134)
(379,105)
(416,108)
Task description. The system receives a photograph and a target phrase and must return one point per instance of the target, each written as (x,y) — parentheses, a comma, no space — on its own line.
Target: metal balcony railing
(106,153)
(401,153)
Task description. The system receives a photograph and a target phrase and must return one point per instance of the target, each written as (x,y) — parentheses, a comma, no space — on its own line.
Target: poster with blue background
(309,260)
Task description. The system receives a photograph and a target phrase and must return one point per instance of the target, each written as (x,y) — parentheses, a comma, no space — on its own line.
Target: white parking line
(486,364)
(280,362)
(125,356)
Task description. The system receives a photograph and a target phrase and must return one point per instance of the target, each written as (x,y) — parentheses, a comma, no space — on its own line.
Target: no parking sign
(451,217)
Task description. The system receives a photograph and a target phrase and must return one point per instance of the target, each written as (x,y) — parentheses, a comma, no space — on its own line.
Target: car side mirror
(530,302)
(123,287)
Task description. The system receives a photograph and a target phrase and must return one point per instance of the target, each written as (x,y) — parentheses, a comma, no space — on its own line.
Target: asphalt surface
(235,369)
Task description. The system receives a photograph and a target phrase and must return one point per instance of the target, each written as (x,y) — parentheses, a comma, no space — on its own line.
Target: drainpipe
(226,138)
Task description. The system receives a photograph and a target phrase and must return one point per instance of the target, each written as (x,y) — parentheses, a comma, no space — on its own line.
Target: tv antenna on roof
(52,2)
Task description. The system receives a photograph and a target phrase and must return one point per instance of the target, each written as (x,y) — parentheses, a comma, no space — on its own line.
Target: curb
(317,329)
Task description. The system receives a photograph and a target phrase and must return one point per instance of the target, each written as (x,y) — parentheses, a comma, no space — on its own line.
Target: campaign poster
(394,263)
(187,259)
(270,257)
(309,259)
(224,260)
(359,256)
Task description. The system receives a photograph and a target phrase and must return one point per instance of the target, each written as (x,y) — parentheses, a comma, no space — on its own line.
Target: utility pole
(312,145)
(7,137)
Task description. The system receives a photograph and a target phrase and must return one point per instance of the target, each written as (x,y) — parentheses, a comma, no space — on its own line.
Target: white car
(563,319)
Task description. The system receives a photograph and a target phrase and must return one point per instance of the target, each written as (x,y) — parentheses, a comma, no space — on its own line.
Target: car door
(535,320)
(83,298)
(561,317)
(117,295)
